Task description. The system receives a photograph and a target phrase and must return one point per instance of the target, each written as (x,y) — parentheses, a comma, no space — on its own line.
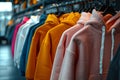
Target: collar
(84,17)
(97,21)
(52,19)
(72,18)
(25,19)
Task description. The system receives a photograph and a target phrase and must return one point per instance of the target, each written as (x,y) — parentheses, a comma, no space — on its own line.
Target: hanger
(81,7)
(63,11)
(88,7)
(85,6)
(59,13)
(109,10)
(103,7)
(93,6)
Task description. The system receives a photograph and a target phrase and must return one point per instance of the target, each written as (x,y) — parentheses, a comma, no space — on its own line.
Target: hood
(84,17)
(51,18)
(108,21)
(72,18)
(114,22)
(25,19)
(105,24)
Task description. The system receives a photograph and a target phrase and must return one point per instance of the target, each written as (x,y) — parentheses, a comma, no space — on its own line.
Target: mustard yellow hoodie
(49,45)
(37,39)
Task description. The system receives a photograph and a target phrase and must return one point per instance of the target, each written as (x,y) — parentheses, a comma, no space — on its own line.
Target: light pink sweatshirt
(64,41)
(91,49)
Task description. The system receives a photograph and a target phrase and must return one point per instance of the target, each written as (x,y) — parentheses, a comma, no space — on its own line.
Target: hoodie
(21,37)
(37,39)
(91,49)
(26,47)
(63,43)
(49,45)
(25,19)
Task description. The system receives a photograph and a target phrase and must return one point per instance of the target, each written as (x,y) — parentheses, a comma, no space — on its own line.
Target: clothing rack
(49,5)
(34,7)
(37,6)
(56,6)
(70,4)
(44,4)
(64,5)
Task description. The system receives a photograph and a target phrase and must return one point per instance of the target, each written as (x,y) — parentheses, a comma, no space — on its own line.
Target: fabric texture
(88,55)
(25,19)
(20,39)
(26,47)
(64,42)
(49,45)
(37,39)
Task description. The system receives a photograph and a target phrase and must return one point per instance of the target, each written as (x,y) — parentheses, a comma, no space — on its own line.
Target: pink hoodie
(91,49)
(64,41)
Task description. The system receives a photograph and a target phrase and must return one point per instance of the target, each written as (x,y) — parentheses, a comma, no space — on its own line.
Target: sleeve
(23,56)
(58,58)
(31,64)
(68,66)
(44,63)
(17,48)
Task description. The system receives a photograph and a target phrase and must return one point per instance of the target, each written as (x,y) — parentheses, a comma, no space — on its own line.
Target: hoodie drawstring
(102,50)
(112,48)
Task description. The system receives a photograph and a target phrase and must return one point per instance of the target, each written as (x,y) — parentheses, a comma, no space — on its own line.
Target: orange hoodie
(49,45)
(39,34)
(37,39)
